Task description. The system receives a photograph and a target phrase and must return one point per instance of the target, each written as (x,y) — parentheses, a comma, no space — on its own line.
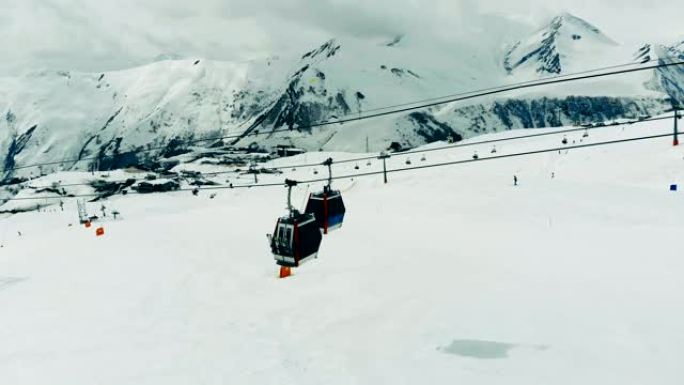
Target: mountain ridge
(55,115)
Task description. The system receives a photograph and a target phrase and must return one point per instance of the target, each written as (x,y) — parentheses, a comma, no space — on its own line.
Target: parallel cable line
(441,148)
(375,173)
(374,157)
(476,143)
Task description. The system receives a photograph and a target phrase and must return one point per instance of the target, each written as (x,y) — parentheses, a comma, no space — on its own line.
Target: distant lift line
(476,143)
(423,151)
(375,173)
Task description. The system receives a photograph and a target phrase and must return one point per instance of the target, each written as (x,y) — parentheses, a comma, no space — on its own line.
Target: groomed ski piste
(444,275)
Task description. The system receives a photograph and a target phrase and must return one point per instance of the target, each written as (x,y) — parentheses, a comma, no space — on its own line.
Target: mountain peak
(547,48)
(578,25)
(328,49)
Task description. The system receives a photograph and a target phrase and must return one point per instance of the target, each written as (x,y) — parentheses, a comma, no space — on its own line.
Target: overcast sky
(93,35)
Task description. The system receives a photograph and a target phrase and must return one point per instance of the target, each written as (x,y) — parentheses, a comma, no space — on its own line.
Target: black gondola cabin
(296,240)
(328,208)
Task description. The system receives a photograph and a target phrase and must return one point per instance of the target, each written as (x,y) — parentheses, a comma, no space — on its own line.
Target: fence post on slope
(384,156)
(82,212)
(675,140)
(253,170)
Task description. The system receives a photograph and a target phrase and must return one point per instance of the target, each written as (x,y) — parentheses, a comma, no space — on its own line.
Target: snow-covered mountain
(559,47)
(668,79)
(50,116)
(343,79)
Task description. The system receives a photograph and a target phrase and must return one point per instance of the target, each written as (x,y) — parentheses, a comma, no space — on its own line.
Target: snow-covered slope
(52,116)
(442,276)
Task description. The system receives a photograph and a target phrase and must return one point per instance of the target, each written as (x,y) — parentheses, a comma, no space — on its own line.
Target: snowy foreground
(443,276)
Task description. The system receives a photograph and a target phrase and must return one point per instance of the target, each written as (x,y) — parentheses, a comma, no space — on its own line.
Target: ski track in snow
(6,282)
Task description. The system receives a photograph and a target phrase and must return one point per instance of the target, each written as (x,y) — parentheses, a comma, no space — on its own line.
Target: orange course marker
(99,232)
(285,272)
(87,224)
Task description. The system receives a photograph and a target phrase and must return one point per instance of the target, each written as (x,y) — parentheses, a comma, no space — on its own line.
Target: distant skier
(553,175)
(195,191)
(515,180)
(61,205)
(104,213)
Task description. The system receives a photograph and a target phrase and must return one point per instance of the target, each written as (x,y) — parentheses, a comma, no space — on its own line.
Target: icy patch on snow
(485,350)
(479,349)
(6,282)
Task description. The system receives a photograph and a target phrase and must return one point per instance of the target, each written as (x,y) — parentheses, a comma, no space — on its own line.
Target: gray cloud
(361,18)
(101,35)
